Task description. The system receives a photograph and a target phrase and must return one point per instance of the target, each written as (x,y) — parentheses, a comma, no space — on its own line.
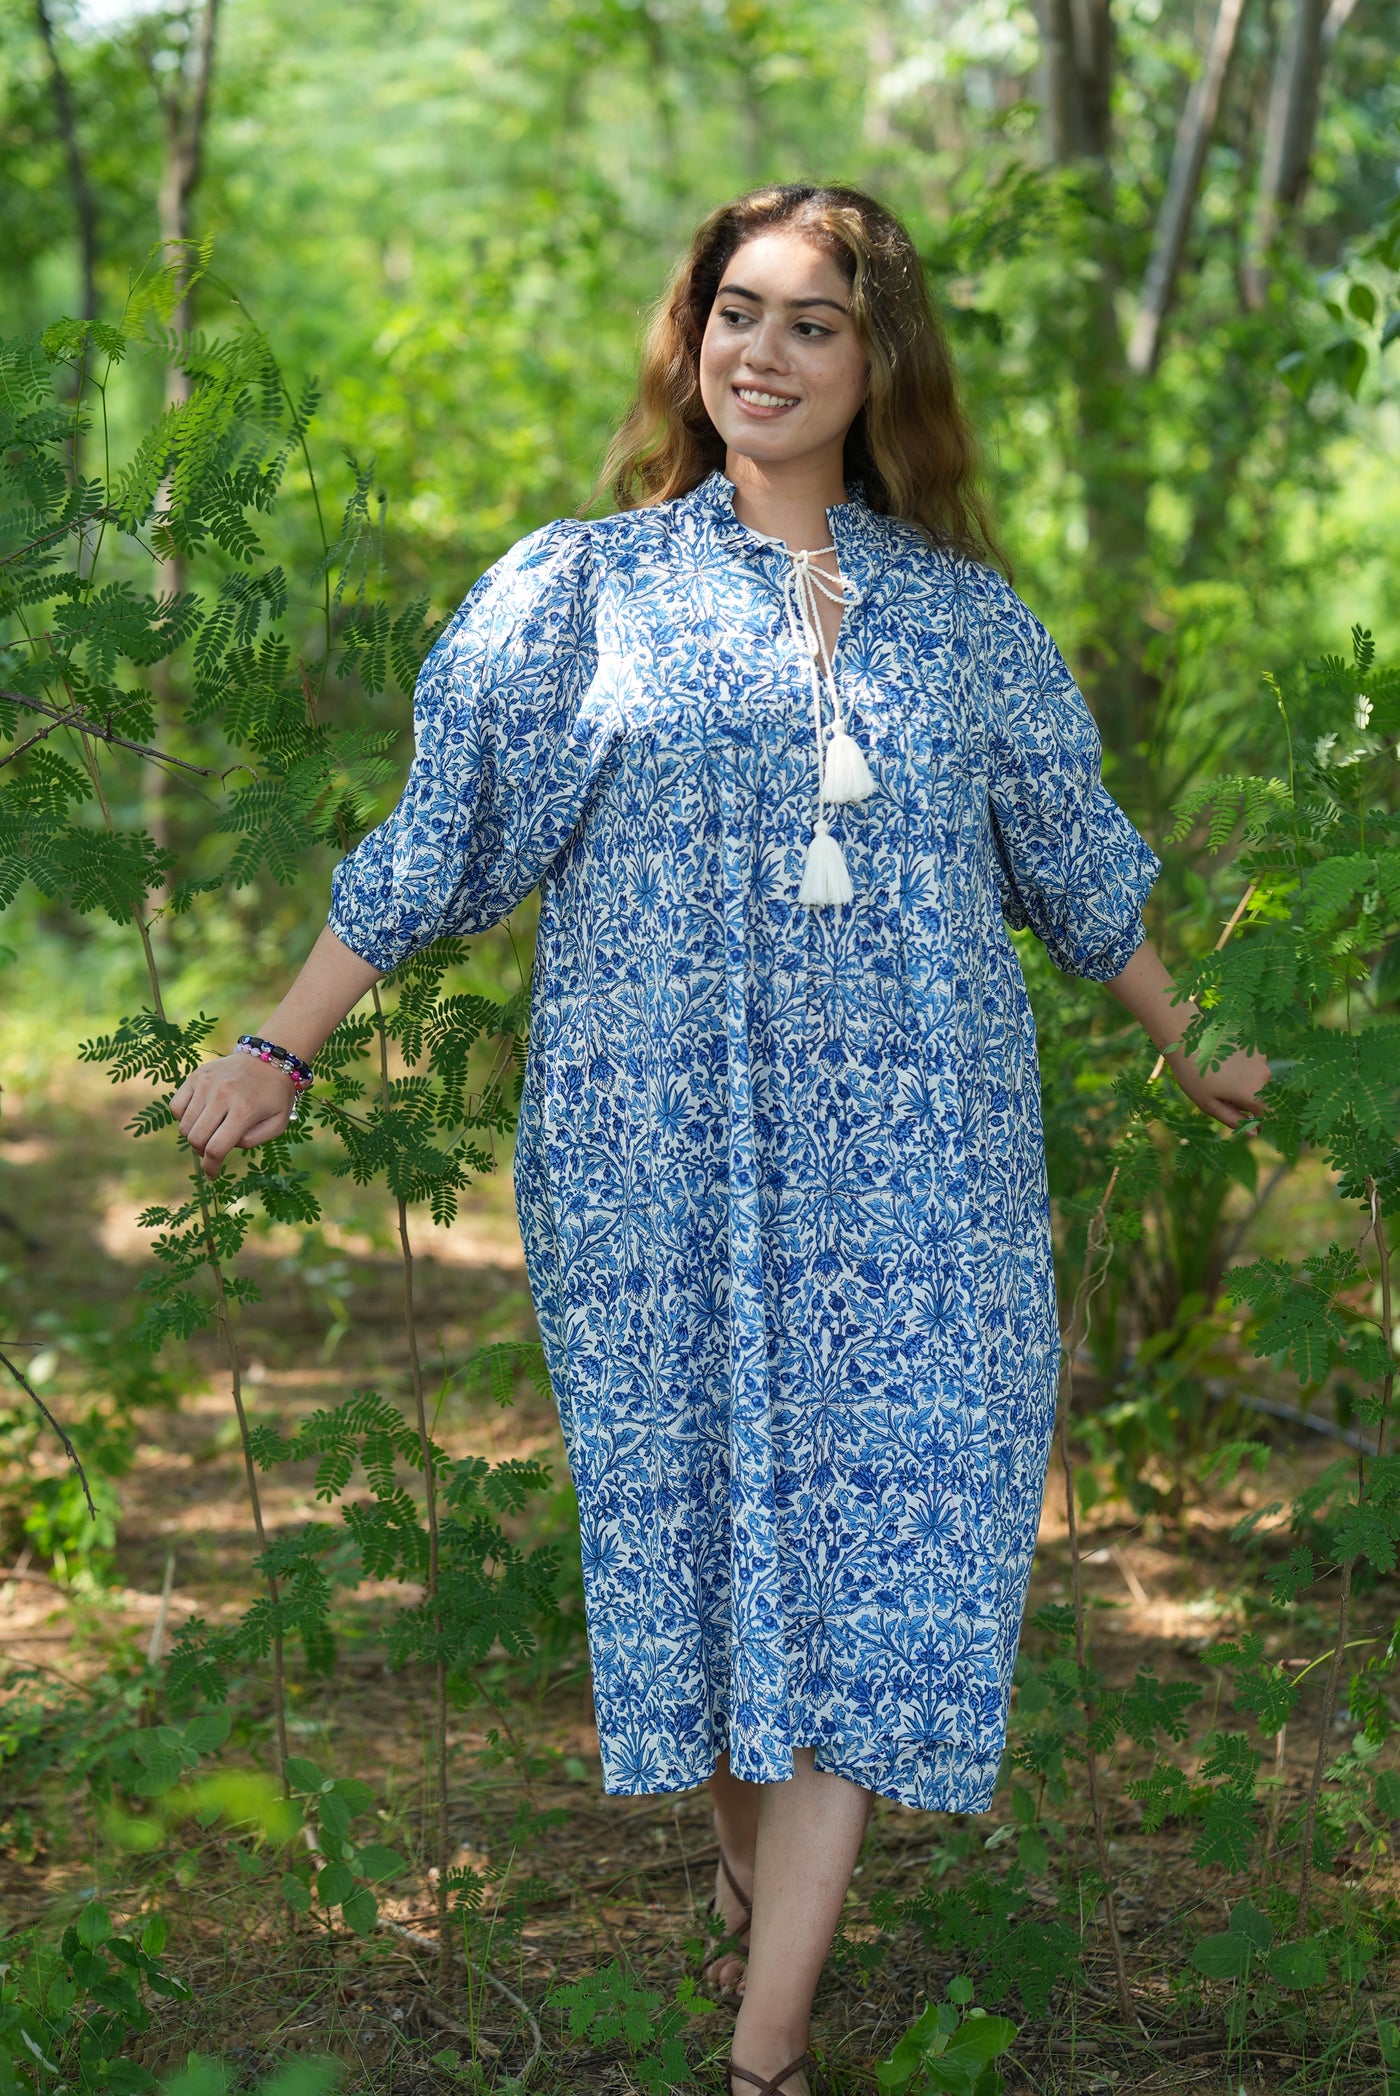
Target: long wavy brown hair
(911,447)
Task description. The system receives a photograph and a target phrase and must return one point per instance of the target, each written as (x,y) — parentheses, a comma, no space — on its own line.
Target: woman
(783,752)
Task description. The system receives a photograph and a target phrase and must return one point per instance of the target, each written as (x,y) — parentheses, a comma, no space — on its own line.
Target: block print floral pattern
(780,1171)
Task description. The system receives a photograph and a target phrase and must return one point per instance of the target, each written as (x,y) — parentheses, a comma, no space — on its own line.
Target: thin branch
(72,1454)
(1183,182)
(74,717)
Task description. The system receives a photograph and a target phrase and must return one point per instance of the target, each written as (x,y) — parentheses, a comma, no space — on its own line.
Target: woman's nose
(767,346)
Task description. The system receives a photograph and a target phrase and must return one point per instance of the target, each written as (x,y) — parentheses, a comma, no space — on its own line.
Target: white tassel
(825,878)
(847,776)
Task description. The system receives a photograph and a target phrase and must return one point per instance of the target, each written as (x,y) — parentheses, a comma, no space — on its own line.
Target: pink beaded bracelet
(292,1066)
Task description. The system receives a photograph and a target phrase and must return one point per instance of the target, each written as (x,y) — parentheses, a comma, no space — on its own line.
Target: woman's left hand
(1230,1093)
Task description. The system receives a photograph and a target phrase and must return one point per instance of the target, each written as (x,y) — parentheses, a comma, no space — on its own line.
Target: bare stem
(224,1318)
(1093,1260)
(440,1842)
(224,1315)
(1340,1646)
(1324,1737)
(72,1454)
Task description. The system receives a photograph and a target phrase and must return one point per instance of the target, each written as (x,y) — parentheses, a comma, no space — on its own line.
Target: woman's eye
(812,330)
(732,315)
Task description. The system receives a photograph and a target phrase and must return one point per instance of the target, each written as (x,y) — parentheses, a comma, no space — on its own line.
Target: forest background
(1165,240)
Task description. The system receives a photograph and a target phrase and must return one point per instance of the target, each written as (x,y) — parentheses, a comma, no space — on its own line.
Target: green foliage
(210,2077)
(950,2050)
(71,2010)
(608,2005)
(349,1869)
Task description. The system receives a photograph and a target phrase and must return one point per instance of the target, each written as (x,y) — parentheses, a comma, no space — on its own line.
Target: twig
(72,1454)
(74,717)
(489,1979)
(426,1453)
(158,1629)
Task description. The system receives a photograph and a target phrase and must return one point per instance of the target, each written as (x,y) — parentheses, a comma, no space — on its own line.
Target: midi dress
(779,1170)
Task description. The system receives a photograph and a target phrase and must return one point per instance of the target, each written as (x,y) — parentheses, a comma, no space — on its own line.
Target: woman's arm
(236,1100)
(1231,1093)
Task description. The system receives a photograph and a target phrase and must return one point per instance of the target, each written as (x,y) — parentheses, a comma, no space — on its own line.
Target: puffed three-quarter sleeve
(501,766)
(1074,868)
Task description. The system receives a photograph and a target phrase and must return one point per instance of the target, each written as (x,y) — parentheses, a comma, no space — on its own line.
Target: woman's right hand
(232,1103)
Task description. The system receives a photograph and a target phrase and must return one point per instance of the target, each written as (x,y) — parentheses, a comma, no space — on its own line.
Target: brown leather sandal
(773,2085)
(736,1939)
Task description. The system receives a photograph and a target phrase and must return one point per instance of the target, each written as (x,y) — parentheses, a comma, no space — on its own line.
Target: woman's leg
(736,1829)
(809,1835)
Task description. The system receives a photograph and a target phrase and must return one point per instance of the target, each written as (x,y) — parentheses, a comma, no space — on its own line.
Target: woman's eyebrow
(738,291)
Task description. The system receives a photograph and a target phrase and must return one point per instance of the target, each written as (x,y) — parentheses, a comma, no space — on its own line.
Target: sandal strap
(737,1889)
(773,2086)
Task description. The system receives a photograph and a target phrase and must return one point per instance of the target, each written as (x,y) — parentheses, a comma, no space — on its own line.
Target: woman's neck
(788,501)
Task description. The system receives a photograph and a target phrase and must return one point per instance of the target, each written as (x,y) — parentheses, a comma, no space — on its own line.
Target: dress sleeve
(1073,866)
(501,766)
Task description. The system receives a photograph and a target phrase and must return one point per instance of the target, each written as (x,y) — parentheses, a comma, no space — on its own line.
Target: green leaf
(303,1774)
(379,1863)
(94,1925)
(1387,1793)
(1247,1921)
(296,1895)
(1033,1853)
(334,1884)
(1298,1965)
(1361,300)
(208,1730)
(357,1796)
(334,1815)
(361,1911)
(153,1935)
(982,2038)
(1222,1957)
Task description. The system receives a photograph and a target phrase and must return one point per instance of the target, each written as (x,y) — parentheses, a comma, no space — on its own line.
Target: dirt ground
(607,1878)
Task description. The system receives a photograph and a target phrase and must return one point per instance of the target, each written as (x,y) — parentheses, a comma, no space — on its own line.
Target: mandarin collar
(862,536)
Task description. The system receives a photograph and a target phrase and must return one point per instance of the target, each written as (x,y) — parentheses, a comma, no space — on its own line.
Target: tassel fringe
(825,878)
(847,776)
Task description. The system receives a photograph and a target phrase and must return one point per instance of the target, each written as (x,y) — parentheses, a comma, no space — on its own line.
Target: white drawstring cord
(842,772)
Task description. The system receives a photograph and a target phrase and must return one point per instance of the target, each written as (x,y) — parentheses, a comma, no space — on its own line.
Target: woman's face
(782,370)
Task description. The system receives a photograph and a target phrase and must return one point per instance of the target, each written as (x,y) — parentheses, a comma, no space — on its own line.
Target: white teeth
(764,400)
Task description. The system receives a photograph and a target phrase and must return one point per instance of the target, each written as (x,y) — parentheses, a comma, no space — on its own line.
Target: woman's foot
(785,2078)
(732,1903)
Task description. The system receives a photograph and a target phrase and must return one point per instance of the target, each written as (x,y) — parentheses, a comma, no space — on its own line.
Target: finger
(178,1101)
(203,1120)
(264,1131)
(219,1143)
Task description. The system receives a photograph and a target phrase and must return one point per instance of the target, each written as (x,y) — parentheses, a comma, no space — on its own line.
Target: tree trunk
(1179,204)
(84,203)
(186,107)
(1288,133)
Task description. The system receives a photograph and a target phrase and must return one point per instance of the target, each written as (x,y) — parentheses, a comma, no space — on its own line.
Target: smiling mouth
(753,397)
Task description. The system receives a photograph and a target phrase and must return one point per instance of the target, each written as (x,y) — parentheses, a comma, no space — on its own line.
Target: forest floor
(619,1878)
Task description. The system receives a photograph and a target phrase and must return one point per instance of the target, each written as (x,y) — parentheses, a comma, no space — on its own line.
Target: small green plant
(68,2011)
(608,2006)
(348,1868)
(951,2050)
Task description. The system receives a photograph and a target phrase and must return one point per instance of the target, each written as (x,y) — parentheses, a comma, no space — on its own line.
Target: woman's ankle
(773,2040)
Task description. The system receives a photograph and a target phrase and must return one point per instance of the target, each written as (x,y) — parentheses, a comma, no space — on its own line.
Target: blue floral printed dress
(780,1170)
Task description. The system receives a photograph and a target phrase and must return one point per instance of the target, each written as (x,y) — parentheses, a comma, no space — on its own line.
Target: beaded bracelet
(300,1073)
